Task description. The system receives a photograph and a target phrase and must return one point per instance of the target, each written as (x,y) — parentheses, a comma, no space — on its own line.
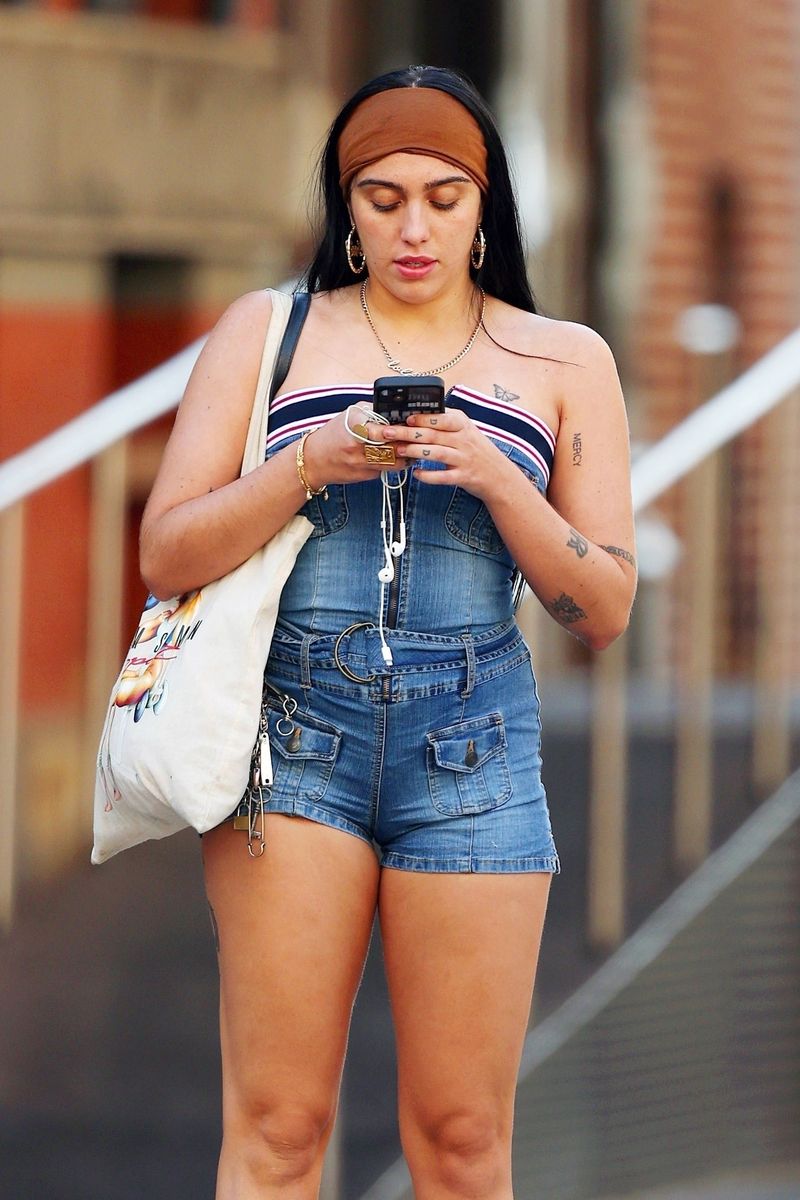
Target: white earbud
(399,547)
(386,574)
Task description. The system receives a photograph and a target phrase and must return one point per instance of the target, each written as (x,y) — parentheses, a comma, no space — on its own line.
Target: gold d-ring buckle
(343,667)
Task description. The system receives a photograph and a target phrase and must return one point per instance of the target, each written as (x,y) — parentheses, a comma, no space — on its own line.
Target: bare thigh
(461,953)
(293,931)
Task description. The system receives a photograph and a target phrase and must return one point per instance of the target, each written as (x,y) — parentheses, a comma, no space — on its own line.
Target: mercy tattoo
(577,449)
(565,609)
(578,543)
(620,553)
(502,393)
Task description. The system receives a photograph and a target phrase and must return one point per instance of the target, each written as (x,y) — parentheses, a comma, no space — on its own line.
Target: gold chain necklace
(395,365)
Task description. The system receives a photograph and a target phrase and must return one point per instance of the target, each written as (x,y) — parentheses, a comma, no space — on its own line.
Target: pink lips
(414,266)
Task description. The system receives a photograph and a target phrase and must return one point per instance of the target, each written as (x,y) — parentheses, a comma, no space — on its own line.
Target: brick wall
(723,93)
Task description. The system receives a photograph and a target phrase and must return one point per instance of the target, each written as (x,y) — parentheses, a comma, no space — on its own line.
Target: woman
(402,708)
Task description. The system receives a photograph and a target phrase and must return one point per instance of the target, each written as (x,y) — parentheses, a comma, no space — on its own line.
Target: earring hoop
(478,251)
(356,259)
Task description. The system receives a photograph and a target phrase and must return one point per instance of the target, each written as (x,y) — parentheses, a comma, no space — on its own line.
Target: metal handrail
(717,422)
(121,413)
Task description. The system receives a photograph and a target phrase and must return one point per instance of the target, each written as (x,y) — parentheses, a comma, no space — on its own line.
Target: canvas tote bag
(184,711)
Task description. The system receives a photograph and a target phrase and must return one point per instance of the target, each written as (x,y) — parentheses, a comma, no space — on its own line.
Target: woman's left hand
(451,438)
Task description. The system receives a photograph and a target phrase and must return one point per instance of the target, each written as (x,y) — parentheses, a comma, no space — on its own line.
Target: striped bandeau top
(297,412)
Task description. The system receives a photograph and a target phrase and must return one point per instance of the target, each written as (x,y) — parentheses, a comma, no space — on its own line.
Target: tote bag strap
(288,314)
(300,304)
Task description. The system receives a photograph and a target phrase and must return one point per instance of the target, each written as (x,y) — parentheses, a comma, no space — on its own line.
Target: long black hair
(503,272)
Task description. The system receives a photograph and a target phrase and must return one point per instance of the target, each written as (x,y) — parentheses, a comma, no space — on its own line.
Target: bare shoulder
(244,320)
(565,343)
(228,365)
(556,369)
(205,447)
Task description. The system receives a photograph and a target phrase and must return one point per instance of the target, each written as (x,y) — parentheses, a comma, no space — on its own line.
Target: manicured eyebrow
(396,187)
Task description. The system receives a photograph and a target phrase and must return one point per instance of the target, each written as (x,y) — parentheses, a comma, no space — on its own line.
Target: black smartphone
(396,397)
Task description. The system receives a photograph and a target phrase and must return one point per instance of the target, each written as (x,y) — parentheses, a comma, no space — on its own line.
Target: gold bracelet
(301,471)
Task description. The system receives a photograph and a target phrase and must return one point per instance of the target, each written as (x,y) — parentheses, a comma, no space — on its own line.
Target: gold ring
(384,455)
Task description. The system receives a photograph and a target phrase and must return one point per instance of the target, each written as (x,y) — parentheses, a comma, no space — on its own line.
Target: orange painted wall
(53,364)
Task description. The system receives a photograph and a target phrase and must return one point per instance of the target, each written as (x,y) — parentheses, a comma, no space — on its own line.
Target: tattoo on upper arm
(577,449)
(578,543)
(503,393)
(620,553)
(565,610)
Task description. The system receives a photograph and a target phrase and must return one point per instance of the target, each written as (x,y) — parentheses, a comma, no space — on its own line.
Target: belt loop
(305,660)
(469,647)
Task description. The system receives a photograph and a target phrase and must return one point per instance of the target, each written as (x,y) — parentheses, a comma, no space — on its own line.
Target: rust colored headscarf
(414,120)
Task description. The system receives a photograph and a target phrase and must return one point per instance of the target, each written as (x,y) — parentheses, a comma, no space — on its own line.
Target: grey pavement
(109,1062)
(781,1183)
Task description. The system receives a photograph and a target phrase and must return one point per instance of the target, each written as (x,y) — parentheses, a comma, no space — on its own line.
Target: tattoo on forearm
(565,610)
(577,449)
(620,553)
(503,393)
(578,543)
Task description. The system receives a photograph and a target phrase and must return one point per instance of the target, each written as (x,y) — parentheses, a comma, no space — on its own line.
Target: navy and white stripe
(507,422)
(302,411)
(299,412)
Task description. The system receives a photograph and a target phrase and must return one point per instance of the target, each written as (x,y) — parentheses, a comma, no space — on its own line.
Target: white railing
(99,436)
(80,440)
(689,453)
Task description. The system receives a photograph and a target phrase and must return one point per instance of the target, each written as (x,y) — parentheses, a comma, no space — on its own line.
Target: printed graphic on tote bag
(143,681)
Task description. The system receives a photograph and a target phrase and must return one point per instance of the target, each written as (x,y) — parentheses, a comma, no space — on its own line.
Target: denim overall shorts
(433,759)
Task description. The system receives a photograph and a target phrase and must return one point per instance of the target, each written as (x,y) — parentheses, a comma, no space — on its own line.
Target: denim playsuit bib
(433,759)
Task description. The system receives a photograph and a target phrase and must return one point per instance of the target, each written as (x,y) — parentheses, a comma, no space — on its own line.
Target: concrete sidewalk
(770,1184)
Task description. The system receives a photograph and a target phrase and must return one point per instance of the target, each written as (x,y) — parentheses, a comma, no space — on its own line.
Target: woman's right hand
(333,455)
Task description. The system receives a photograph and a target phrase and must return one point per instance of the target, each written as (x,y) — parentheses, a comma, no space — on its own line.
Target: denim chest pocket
(303,757)
(327,516)
(467,766)
(468,519)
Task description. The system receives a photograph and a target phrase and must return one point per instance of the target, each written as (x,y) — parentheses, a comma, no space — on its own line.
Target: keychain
(249,816)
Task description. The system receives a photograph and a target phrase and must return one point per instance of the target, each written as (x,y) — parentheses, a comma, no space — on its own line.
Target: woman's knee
(467,1149)
(283,1141)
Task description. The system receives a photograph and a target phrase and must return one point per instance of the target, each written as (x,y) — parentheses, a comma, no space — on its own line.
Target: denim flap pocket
(306,739)
(467,766)
(303,758)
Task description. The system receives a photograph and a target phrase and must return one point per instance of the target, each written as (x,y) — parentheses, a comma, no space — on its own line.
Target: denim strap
(305,660)
(469,649)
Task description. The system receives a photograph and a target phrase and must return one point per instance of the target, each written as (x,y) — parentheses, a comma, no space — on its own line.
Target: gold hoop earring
(356,259)
(478,251)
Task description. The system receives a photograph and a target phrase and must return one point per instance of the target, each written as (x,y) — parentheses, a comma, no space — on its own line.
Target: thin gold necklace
(395,365)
